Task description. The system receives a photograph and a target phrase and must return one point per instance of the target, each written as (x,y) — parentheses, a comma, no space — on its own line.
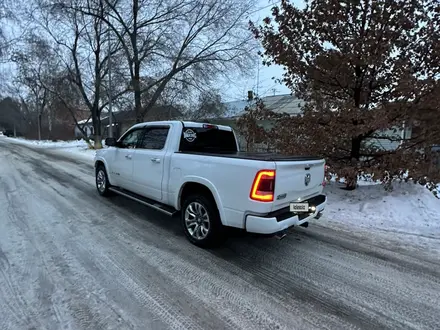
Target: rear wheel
(102,183)
(201,221)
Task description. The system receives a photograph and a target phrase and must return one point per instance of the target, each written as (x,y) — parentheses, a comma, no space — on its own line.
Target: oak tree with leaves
(363,68)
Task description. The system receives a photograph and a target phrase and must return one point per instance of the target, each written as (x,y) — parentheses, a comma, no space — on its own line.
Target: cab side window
(154,138)
(131,140)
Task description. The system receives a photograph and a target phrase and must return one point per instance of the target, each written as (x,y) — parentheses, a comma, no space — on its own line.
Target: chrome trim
(153,206)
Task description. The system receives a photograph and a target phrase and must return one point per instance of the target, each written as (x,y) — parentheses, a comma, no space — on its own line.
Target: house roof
(158,112)
(285,103)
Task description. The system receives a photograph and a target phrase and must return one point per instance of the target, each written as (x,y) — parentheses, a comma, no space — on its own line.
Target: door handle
(155,160)
(128,156)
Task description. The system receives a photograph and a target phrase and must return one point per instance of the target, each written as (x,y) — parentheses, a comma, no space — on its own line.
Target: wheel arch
(101,162)
(204,187)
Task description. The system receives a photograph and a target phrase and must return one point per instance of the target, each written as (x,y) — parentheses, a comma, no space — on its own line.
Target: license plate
(299,207)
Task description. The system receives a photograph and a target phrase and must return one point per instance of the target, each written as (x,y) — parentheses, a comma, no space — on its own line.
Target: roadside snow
(77,149)
(408,215)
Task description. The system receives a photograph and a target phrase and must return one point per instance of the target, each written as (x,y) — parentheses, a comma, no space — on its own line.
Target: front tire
(201,221)
(102,183)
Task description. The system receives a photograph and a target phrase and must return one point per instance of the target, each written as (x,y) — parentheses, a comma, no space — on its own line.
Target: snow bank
(52,144)
(368,180)
(410,214)
(78,149)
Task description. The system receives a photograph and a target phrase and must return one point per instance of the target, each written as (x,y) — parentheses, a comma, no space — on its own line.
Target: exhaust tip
(319,215)
(280,235)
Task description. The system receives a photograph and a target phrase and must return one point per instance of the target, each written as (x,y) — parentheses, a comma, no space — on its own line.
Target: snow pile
(410,213)
(365,179)
(52,144)
(75,148)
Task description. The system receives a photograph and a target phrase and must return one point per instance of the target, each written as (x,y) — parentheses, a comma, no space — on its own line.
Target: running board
(168,210)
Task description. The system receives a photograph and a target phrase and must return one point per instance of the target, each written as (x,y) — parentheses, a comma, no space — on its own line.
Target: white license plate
(299,207)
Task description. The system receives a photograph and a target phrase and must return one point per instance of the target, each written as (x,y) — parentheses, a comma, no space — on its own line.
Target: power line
(264,7)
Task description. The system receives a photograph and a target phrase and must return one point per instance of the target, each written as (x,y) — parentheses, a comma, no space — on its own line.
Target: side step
(168,210)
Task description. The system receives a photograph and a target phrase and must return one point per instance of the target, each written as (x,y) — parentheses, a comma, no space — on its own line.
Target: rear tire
(201,221)
(102,183)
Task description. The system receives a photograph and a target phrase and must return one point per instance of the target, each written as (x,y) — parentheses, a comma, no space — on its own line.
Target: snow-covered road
(72,260)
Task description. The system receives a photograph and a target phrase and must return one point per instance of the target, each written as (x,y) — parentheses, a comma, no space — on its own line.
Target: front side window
(155,138)
(131,140)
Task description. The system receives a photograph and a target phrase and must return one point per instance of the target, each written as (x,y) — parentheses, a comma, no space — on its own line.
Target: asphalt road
(70,259)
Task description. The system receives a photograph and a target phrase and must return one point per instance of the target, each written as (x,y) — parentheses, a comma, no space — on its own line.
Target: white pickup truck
(197,169)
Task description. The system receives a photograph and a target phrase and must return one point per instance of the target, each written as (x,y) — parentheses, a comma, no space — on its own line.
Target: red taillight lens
(209,126)
(264,186)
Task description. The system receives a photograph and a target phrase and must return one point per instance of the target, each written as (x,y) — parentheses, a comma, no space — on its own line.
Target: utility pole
(258,76)
(110,113)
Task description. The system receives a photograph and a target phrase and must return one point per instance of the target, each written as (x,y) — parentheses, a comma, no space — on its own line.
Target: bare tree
(5,16)
(9,36)
(35,63)
(193,42)
(82,48)
(12,116)
(209,105)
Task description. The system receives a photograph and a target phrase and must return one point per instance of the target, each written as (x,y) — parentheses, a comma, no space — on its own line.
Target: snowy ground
(407,217)
(77,149)
(70,259)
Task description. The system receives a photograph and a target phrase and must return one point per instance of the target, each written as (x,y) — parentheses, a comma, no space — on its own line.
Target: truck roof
(185,123)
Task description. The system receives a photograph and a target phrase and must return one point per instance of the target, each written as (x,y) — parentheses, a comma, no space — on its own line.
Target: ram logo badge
(307,179)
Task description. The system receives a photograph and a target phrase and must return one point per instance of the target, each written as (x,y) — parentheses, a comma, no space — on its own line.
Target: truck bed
(262,156)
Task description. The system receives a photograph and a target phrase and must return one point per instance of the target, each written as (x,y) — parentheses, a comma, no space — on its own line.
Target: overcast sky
(261,79)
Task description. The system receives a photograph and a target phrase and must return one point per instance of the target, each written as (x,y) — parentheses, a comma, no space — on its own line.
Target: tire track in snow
(157,299)
(184,243)
(347,292)
(47,249)
(119,254)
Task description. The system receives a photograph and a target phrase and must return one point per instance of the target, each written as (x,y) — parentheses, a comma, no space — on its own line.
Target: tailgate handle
(307,167)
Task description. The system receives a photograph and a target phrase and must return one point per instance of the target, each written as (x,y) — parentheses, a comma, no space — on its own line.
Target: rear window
(212,140)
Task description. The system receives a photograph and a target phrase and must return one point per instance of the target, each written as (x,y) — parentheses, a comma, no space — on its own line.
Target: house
(285,103)
(385,140)
(123,120)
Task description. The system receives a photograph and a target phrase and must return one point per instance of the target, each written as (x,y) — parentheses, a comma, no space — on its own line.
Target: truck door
(149,161)
(122,164)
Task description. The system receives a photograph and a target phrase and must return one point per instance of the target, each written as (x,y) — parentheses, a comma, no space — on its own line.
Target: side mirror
(111,142)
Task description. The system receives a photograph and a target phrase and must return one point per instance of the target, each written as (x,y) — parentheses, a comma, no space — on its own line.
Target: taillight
(210,126)
(264,186)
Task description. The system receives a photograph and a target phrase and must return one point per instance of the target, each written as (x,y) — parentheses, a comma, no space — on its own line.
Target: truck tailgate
(297,180)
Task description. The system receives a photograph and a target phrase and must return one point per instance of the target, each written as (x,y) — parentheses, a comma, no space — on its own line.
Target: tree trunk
(356,148)
(97,141)
(50,121)
(137,64)
(351,180)
(39,125)
(97,134)
(137,97)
